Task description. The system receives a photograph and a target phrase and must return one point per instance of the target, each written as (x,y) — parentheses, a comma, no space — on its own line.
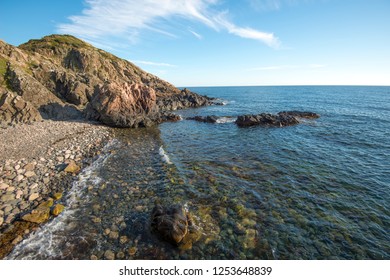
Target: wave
(164,155)
(226,120)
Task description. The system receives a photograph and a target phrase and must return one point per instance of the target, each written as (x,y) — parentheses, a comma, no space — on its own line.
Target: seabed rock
(176,225)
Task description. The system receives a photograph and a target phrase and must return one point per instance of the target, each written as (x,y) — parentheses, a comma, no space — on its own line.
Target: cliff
(62,77)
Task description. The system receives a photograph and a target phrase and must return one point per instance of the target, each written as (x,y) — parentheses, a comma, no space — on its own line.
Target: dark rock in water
(282,119)
(207,119)
(266,120)
(299,114)
(167,117)
(170,222)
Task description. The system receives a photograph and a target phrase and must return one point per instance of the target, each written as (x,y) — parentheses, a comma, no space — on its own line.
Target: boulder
(285,118)
(123,105)
(265,119)
(207,119)
(171,223)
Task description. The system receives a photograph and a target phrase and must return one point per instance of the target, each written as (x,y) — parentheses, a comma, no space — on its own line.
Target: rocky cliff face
(63,77)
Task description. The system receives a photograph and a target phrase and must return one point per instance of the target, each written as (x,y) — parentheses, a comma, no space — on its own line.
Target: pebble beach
(38,163)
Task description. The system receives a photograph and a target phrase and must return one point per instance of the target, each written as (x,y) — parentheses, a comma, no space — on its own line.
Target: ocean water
(317,190)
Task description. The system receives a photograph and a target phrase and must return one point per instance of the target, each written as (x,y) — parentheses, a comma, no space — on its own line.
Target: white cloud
(103,19)
(247,32)
(197,35)
(162,64)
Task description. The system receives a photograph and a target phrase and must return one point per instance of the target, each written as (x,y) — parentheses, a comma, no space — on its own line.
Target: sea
(316,190)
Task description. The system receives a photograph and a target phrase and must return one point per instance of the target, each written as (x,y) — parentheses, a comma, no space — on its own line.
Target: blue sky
(223,42)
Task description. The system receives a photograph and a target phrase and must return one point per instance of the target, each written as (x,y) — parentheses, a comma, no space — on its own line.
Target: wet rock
(72,167)
(38,216)
(109,255)
(57,195)
(265,119)
(123,239)
(113,235)
(1,221)
(57,209)
(207,119)
(132,251)
(94,257)
(17,240)
(300,114)
(285,118)
(170,222)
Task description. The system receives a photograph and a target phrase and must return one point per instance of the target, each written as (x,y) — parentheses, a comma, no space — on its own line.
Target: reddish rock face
(123,104)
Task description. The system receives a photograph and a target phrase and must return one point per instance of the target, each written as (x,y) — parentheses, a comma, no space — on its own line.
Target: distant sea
(317,190)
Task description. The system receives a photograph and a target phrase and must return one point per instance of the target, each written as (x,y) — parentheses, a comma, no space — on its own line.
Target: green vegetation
(54,41)
(3,67)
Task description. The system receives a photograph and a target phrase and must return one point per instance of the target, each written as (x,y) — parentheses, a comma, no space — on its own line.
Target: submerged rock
(171,223)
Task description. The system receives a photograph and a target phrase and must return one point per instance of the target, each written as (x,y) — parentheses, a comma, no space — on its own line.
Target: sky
(223,42)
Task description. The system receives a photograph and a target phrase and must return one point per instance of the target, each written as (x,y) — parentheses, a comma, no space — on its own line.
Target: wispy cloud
(247,32)
(161,64)
(285,67)
(197,35)
(126,18)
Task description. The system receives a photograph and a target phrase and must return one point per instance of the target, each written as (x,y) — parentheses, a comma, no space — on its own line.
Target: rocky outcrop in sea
(281,119)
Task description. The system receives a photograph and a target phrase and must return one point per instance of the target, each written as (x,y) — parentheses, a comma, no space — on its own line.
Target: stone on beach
(57,209)
(72,167)
(33,196)
(38,216)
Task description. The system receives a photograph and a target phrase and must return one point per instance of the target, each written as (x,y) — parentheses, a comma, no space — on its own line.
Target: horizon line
(303,85)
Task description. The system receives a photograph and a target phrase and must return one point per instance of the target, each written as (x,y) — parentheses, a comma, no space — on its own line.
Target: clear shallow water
(318,190)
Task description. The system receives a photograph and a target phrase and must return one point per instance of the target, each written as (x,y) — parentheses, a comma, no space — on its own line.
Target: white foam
(226,120)
(164,155)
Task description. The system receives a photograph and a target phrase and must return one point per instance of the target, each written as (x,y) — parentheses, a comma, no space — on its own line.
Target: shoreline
(33,161)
